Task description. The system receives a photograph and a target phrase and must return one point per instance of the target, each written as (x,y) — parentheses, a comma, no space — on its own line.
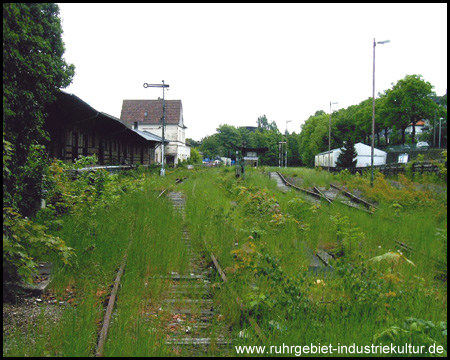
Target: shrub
(23,243)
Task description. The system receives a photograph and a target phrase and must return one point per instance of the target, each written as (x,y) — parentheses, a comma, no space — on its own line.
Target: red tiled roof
(418,123)
(134,110)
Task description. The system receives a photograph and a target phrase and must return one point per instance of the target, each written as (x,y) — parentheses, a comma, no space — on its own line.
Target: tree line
(228,139)
(34,70)
(407,102)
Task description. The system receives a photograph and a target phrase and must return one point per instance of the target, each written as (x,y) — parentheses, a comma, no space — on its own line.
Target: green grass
(259,236)
(361,316)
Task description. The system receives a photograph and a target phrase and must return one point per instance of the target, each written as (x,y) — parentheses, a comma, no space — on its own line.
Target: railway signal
(163,86)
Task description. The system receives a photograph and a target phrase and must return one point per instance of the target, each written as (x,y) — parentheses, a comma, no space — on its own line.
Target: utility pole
(163,86)
(329,138)
(285,160)
(373,109)
(280,153)
(434,129)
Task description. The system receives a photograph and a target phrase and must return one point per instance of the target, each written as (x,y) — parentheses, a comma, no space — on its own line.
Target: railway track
(202,343)
(195,326)
(331,195)
(321,257)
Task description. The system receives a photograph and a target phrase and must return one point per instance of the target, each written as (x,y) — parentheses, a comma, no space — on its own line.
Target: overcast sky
(231,63)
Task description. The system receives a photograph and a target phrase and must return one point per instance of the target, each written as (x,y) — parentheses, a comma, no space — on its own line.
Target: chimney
(136,125)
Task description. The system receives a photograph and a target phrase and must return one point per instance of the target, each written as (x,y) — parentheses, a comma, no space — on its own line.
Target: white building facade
(146,115)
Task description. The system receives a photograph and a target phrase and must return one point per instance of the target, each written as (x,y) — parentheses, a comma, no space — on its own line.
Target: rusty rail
(406,247)
(299,188)
(162,192)
(323,195)
(357,208)
(252,321)
(107,319)
(353,197)
(319,195)
(177,181)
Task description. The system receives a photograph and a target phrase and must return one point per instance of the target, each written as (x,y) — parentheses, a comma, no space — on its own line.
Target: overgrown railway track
(194,327)
(354,202)
(202,271)
(330,196)
(193,324)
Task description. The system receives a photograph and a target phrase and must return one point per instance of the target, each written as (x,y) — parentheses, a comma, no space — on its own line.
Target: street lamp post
(329,138)
(280,153)
(440,119)
(163,86)
(373,110)
(286,133)
(434,129)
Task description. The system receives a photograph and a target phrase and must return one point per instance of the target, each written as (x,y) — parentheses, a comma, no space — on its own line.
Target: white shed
(362,160)
(327,158)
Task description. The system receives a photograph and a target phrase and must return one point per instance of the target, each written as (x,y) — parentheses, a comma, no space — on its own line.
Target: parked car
(423,145)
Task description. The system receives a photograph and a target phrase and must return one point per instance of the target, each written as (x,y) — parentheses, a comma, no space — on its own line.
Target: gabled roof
(136,110)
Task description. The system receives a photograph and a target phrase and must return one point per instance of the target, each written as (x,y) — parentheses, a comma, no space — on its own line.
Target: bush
(23,243)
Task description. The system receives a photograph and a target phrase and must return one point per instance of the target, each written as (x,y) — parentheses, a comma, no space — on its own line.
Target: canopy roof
(70,111)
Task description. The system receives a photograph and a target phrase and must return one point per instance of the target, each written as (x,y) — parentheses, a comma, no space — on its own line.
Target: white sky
(231,63)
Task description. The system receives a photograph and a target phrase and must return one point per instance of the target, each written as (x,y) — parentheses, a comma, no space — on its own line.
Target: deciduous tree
(408,102)
(33,72)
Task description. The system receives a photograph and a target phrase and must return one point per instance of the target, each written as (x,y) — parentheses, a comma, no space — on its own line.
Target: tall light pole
(329,138)
(373,109)
(434,129)
(280,153)
(440,119)
(286,134)
(163,86)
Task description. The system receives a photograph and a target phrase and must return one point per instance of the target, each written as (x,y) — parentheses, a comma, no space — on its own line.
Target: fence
(419,167)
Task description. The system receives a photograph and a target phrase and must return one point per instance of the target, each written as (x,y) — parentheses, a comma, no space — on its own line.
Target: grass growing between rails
(99,235)
(156,250)
(263,239)
(376,293)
